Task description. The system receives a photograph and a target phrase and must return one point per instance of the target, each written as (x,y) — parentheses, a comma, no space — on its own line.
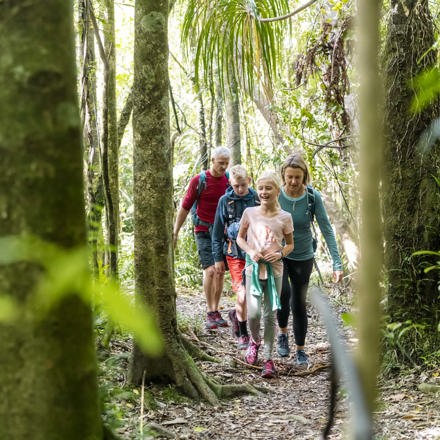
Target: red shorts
(236,266)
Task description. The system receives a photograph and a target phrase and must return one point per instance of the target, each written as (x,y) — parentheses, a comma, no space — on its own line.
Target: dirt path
(294,405)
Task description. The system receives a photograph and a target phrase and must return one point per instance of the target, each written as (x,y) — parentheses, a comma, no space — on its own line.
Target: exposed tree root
(155,427)
(194,351)
(313,370)
(231,390)
(195,384)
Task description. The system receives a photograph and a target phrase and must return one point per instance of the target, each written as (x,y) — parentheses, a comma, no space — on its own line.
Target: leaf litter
(292,405)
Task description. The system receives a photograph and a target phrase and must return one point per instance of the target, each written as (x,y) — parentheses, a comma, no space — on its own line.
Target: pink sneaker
(269,370)
(243,342)
(251,356)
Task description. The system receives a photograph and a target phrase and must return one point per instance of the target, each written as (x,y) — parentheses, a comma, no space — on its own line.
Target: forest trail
(293,406)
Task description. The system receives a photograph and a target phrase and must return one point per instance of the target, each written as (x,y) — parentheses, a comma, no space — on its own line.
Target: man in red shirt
(215,186)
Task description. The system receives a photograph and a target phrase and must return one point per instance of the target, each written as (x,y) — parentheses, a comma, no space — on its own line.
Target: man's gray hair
(220,152)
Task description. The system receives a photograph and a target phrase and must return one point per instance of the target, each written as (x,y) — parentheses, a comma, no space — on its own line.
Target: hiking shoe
(268,371)
(210,323)
(232,315)
(283,345)
(243,342)
(302,360)
(252,352)
(219,320)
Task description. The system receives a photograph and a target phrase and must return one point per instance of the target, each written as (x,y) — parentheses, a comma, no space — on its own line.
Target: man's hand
(175,236)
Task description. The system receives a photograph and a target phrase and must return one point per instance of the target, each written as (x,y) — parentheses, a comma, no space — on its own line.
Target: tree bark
(89,106)
(203,144)
(371,151)
(110,160)
(48,367)
(153,207)
(232,104)
(411,208)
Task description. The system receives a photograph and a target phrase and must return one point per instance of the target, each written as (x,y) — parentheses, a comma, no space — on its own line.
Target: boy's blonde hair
(238,172)
(273,177)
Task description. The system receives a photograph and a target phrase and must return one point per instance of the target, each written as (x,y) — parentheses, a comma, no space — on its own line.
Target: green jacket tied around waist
(256,288)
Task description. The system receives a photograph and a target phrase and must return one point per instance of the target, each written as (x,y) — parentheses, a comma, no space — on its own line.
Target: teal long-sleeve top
(298,207)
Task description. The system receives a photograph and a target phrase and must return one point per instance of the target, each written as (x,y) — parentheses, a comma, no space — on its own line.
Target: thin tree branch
(173,105)
(98,36)
(125,116)
(329,144)
(290,14)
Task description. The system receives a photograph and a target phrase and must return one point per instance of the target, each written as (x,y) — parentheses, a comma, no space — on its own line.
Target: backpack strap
(202,183)
(201,186)
(311,202)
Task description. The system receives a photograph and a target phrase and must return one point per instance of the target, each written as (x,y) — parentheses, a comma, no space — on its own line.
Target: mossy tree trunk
(232,104)
(411,196)
(153,207)
(371,155)
(48,379)
(89,106)
(110,148)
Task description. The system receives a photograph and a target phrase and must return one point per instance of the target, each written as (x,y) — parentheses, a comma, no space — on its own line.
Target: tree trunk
(153,207)
(232,105)
(411,208)
(110,160)
(371,151)
(218,114)
(48,368)
(203,144)
(89,106)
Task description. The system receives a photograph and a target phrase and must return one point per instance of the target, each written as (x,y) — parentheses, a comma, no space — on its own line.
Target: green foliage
(66,273)
(409,343)
(230,35)
(426,87)
(187,271)
(429,266)
(170,394)
(9,309)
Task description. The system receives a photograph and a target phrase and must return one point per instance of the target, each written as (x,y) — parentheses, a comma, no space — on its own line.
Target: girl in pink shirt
(266,235)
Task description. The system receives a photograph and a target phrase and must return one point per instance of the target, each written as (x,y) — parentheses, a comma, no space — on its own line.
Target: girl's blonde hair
(272,177)
(296,160)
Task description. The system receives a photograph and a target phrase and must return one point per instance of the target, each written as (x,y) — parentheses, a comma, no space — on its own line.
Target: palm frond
(228,36)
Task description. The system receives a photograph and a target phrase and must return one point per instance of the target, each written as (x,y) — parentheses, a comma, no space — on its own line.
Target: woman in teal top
(296,199)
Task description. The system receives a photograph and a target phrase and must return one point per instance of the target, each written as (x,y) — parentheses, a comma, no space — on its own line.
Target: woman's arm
(288,248)
(329,235)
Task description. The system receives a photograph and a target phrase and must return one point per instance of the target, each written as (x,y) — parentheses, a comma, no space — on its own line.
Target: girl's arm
(241,241)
